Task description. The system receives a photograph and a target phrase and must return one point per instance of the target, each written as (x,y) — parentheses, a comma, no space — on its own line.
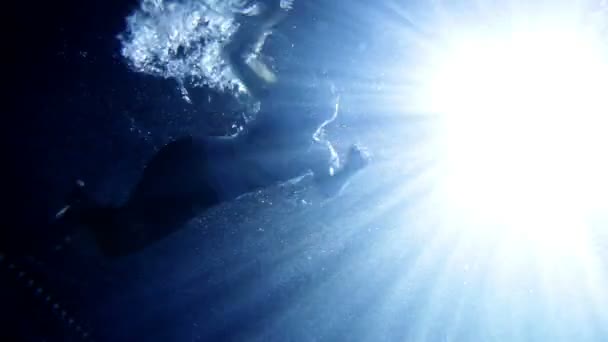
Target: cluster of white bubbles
(183,40)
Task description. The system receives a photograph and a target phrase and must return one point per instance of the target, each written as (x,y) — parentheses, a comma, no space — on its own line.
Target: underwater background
(94,89)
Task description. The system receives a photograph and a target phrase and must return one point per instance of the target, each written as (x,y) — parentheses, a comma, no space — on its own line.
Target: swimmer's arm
(255,83)
(249,39)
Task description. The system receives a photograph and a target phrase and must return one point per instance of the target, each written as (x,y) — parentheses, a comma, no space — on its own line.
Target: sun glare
(522,137)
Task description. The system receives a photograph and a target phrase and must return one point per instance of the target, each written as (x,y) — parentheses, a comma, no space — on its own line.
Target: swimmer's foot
(262,70)
(357,158)
(74,199)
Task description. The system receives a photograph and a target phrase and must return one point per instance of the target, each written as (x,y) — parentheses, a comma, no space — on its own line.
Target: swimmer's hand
(358,158)
(262,70)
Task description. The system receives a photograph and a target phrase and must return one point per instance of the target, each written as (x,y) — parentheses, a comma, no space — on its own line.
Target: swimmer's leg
(246,44)
(152,219)
(237,52)
(104,222)
(174,188)
(127,229)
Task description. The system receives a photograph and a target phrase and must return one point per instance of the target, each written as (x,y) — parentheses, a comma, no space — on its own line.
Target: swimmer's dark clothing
(173,188)
(189,175)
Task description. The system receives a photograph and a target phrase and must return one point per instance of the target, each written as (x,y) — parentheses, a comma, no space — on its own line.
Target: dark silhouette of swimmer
(192,174)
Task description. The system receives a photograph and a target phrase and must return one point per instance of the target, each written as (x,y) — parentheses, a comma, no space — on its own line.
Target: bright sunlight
(522,139)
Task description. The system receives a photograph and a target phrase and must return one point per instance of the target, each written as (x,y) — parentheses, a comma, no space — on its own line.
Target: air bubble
(183,43)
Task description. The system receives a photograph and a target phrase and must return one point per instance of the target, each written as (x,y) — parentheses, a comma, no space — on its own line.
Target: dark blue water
(280,264)
(81,113)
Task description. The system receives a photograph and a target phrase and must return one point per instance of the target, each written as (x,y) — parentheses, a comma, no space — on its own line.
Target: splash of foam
(183,40)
